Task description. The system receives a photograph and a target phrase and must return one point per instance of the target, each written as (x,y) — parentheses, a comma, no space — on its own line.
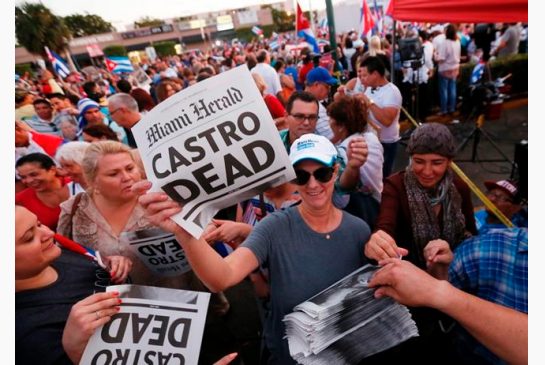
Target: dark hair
(124,86)
(89,86)
(373,63)
(143,99)
(350,113)
(57,95)
(261,56)
(99,131)
(278,65)
(450,32)
(41,101)
(41,159)
(161,89)
(424,35)
(202,76)
(348,43)
(304,96)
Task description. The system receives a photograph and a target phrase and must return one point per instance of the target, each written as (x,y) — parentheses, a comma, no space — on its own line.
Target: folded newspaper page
(212,145)
(158,250)
(154,326)
(345,323)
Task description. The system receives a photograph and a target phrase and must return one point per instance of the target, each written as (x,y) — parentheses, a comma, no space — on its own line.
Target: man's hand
(382,246)
(406,283)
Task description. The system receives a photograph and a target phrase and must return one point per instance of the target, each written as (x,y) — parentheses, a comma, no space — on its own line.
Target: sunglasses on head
(323,175)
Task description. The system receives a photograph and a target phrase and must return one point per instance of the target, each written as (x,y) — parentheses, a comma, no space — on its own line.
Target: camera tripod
(476,134)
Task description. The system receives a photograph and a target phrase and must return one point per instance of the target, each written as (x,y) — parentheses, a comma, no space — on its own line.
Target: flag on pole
(302,27)
(390,9)
(367,22)
(256,30)
(59,65)
(275,41)
(119,64)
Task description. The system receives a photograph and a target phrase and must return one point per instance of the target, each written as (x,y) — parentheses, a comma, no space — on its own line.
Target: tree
(282,21)
(148,22)
(115,50)
(36,26)
(165,48)
(86,24)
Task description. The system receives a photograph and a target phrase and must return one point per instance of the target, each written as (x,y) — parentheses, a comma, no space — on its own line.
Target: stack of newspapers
(345,323)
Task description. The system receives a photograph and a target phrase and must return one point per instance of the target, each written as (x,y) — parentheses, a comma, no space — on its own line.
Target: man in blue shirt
(505,195)
(494,267)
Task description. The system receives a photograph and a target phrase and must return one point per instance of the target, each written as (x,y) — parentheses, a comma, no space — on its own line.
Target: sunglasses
(323,175)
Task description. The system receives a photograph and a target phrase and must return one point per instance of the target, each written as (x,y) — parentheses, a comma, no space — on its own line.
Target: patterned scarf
(425,223)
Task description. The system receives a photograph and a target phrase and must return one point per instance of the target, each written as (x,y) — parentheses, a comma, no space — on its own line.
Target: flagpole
(331,27)
(392,66)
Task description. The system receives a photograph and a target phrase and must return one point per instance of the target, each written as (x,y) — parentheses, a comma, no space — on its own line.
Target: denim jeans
(447,94)
(390,150)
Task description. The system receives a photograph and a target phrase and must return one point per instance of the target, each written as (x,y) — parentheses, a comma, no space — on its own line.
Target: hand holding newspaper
(212,145)
(154,326)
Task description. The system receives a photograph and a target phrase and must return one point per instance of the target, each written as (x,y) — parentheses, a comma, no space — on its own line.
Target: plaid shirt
(494,267)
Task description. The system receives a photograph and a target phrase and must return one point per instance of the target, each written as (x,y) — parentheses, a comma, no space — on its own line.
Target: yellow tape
(470,183)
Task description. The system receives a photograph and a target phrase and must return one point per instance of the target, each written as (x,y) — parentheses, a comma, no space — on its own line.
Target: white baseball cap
(313,147)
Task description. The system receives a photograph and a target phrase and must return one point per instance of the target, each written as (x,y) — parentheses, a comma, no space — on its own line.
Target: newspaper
(154,326)
(158,250)
(212,145)
(344,316)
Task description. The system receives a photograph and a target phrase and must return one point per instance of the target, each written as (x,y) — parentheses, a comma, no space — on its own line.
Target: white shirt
(270,76)
(322,125)
(371,171)
(386,96)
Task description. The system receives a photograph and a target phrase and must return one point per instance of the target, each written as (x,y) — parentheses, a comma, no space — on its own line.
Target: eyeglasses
(499,197)
(300,118)
(114,111)
(323,175)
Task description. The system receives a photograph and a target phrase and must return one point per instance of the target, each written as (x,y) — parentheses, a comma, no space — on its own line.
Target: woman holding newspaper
(306,248)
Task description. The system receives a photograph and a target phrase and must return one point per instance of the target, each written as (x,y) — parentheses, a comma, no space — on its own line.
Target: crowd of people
(464,275)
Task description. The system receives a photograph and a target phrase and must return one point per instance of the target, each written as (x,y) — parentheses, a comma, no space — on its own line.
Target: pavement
(490,160)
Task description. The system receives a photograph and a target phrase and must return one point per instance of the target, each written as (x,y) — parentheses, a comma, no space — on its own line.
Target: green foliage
(115,50)
(36,27)
(517,65)
(22,68)
(165,48)
(82,25)
(147,22)
(282,21)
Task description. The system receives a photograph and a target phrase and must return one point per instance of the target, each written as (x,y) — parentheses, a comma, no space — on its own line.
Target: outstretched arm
(502,330)
(216,272)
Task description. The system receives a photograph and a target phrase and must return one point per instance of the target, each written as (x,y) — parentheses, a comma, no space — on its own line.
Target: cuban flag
(59,65)
(303,30)
(275,41)
(367,22)
(256,30)
(477,73)
(119,65)
(73,246)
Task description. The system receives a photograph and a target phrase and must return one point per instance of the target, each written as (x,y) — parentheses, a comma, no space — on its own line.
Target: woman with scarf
(425,213)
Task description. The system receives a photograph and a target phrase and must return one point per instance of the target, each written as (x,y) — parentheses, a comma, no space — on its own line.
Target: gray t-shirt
(512,39)
(302,263)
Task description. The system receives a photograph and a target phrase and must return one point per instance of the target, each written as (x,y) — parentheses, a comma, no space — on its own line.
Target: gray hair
(72,152)
(122,99)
